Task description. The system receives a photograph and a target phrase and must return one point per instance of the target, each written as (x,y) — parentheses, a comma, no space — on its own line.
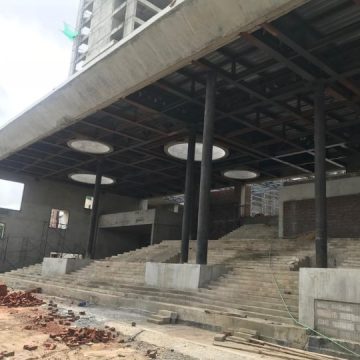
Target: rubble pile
(6,354)
(20,299)
(81,336)
(59,326)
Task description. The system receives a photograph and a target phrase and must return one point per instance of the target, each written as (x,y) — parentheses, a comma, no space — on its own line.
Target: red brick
(3,290)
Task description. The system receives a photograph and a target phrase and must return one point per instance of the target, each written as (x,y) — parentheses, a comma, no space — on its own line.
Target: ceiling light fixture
(89,178)
(240,174)
(90,146)
(179,150)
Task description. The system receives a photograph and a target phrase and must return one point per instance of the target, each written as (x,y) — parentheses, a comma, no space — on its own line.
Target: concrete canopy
(149,89)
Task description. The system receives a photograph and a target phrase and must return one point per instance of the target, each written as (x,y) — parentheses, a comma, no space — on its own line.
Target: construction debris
(20,298)
(30,347)
(49,346)
(81,336)
(3,290)
(6,354)
(152,354)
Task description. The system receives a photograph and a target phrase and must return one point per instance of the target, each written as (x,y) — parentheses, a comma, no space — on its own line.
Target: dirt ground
(18,328)
(55,330)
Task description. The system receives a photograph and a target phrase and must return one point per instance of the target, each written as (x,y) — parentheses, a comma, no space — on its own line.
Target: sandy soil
(14,335)
(21,326)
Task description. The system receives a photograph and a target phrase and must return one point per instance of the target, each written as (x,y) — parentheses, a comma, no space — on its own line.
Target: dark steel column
(188,199)
(237,193)
(94,212)
(320,179)
(206,169)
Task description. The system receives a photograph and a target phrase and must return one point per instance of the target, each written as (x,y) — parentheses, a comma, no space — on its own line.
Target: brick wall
(340,320)
(343,216)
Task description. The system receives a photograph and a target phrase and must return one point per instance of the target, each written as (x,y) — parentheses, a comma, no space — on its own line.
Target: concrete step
(159,319)
(266,279)
(212,320)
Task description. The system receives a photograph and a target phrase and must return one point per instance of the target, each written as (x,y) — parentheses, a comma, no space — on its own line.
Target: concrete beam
(146,55)
(130,218)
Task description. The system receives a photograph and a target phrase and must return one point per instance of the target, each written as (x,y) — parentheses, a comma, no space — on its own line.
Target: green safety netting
(69,32)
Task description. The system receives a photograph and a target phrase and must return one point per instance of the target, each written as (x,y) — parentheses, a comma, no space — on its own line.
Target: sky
(35,55)
(35,58)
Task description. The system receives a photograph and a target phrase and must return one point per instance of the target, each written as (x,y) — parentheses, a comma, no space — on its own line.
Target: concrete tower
(102,23)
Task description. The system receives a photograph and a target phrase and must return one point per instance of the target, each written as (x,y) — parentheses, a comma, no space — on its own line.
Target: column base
(62,266)
(181,276)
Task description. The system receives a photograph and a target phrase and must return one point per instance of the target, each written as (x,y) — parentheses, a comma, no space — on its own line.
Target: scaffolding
(265,198)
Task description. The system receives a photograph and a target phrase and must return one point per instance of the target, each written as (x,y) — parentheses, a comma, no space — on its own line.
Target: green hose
(298,322)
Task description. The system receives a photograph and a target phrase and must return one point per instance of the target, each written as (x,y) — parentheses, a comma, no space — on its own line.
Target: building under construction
(212,145)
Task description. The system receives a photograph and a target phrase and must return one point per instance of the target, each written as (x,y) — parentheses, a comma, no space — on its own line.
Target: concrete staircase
(344,253)
(253,231)
(163,317)
(163,252)
(247,297)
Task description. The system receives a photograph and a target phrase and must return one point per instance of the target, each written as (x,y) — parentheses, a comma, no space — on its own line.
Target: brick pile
(60,328)
(20,299)
(81,336)
(52,315)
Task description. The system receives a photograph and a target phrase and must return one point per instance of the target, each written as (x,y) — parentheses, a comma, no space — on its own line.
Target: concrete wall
(296,208)
(118,240)
(158,224)
(26,228)
(167,226)
(329,300)
(140,217)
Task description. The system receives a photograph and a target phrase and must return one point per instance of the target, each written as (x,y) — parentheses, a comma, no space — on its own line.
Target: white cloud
(31,65)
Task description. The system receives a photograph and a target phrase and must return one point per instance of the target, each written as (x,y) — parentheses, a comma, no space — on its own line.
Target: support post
(94,212)
(320,179)
(237,193)
(206,169)
(188,198)
(130,15)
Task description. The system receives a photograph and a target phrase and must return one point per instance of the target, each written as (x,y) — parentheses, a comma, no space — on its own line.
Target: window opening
(2,231)
(11,194)
(59,219)
(89,202)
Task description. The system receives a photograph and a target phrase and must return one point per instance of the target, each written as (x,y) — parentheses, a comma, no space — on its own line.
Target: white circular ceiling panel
(90,146)
(88,178)
(179,150)
(240,174)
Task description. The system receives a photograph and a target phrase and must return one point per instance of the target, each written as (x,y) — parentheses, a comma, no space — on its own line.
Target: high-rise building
(102,23)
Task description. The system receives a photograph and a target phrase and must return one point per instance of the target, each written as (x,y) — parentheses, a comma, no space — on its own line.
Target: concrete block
(61,266)
(219,337)
(341,307)
(155,319)
(181,276)
(326,313)
(344,325)
(172,315)
(243,335)
(323,322)
(349,317)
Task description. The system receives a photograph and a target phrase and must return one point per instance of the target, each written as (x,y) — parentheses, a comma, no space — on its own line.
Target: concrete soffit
(152,52)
